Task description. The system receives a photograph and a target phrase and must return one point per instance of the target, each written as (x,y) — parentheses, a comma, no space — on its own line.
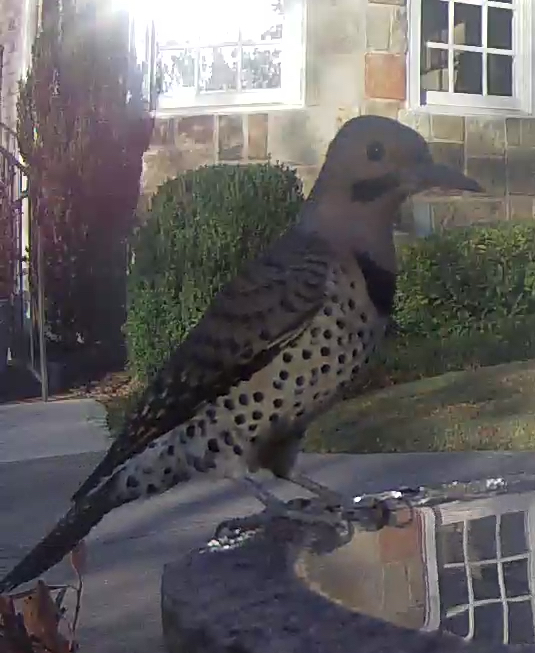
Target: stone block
(521,207)
(512,131)
(160,164)
(399,544)
(451,154)
(485,136)
(399,31)
(465,211)
(385,76)
(416,577)
(396,593)
(194,131)
(335,28)
(378,22)
(447,128)
(387,108)
(527,131)
(421,122)
(521,171)
(257,136)
(343,114)
(335,80)
(230,138)
(490,172)
(163,133)
(301,137)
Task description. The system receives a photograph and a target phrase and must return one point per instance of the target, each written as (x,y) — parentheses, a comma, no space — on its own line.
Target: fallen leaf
(41,619)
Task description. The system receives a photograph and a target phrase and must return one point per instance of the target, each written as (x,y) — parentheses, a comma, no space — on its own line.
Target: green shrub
(458,280)
(201,229)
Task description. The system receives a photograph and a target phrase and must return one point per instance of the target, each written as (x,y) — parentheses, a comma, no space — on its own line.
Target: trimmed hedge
(202,227)
(477,282)
(465,279)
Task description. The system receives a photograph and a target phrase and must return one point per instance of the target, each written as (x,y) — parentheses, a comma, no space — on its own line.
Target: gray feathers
(278,343)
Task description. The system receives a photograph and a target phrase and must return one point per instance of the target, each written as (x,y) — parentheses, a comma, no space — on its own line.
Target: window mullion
(484,43)
(451,28)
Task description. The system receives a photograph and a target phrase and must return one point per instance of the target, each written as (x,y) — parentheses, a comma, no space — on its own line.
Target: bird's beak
(437,175)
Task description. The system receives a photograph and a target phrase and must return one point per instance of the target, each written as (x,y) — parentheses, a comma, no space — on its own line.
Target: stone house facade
(470,95)
(235,81)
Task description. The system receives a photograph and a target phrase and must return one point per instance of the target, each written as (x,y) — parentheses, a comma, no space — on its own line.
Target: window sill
(467,111)
(198,110)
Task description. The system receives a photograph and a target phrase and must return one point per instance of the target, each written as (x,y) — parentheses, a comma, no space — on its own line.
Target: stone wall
(356,64)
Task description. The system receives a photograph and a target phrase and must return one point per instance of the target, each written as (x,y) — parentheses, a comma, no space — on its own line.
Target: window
(480,568)
(221,53)
(471,53)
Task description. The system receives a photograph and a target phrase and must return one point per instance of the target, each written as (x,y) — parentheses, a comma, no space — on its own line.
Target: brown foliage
(30,621)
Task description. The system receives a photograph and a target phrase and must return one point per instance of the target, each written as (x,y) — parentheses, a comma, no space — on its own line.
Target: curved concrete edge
(249,600)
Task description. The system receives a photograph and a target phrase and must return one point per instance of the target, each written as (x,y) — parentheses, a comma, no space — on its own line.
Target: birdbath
(444,569)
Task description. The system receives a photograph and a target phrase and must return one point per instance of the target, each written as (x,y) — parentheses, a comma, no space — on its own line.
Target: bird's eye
(375,151)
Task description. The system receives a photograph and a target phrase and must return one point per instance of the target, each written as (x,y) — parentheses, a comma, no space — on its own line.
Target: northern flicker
(276,346)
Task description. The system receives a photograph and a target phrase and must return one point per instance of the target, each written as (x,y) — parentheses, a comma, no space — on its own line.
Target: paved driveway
(127,550)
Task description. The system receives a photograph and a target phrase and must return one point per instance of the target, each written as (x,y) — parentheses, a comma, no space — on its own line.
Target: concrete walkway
(57,428)
(47,450)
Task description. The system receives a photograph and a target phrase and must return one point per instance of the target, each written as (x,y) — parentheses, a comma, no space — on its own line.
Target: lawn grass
(405,426)
(485,409)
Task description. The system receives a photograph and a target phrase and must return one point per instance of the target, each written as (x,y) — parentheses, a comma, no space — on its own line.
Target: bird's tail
(69,530)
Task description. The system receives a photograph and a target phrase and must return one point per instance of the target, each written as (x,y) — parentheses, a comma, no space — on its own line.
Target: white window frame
(290,95)
(523,100)
(463,512)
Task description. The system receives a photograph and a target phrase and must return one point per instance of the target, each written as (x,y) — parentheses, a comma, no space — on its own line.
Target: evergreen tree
(83,129)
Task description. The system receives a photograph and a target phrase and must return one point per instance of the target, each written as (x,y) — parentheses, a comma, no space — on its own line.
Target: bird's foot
(304,511)
(327,507)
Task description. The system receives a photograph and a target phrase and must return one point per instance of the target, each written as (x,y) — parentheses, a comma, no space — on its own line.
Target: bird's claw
(343,517)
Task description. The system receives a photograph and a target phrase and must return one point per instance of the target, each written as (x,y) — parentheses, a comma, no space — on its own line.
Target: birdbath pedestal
(295,588)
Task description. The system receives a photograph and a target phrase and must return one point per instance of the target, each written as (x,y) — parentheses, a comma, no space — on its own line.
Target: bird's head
(374,159)
(372,165)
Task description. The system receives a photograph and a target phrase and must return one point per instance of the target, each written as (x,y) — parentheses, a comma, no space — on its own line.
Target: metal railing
(28,301)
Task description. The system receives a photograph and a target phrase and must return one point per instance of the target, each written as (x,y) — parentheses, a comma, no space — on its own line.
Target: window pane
(500,28)
(434,21)
(176,70)
(261,68)
(218,69)
(262,20)
(485,581)
(499,75)
(520,623)
(467,19)
(516,578)
(450,543)
(434,72)
(482,538)
(513,533)
(458,624)
(453,587)
(468,73)
(489,622)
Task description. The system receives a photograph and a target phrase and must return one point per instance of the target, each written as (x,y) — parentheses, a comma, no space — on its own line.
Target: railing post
(41,312)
